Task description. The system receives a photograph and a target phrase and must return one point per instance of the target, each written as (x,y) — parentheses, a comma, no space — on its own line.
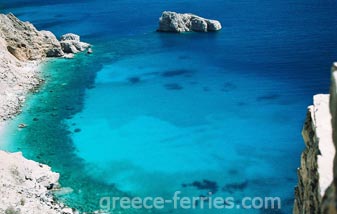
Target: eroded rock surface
(26,186)
(316,190)
(22,48)
(186,22)
(71,43)
(315,173)
(25,42)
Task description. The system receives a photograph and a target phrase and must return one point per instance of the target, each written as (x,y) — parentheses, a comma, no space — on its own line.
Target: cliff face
(315,192)
(27,43)
(315,173)
(329,204)
(23,182)
(22,47)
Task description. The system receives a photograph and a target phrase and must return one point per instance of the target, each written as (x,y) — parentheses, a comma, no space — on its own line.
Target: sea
(152,114)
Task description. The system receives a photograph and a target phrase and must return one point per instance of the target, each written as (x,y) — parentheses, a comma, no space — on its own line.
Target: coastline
(4,125)
(27,185)
(32,181)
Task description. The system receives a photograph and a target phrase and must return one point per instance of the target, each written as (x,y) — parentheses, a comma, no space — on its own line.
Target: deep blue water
(148,113)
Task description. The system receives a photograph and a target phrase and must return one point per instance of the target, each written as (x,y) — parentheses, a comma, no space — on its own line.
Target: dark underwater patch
(134,80)
(205,89)
(178,72)
(48,139)
(211,186)
(173,86)
(228,86)
(49,24)
(233,172)
(233,187)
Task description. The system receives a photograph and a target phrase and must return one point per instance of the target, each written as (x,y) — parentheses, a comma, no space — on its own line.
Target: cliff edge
(317,175)
(26,185)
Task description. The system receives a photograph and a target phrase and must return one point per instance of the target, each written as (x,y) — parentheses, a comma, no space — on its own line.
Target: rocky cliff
(22,47)
(25,186)
(315,192)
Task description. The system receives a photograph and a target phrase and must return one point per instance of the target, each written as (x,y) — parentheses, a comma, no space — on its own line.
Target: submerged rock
(185,22)
(22,125)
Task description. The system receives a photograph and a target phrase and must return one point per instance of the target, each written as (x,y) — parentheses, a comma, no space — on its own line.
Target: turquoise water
(149,114)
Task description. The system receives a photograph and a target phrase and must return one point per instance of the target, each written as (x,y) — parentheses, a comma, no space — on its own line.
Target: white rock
(71,43)
(70,36)
(67,211)
(23,184)
(176,22)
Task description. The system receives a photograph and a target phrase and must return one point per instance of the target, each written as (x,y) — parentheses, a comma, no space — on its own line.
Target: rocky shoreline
(26,186)
(23,48)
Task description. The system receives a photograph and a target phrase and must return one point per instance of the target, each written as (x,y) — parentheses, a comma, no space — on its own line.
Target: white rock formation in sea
(315,192)
(71,43)
(185,22)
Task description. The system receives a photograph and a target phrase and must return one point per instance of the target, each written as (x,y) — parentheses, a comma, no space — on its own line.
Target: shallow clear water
(150,113)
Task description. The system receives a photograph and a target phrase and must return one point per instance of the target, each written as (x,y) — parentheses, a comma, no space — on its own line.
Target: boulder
(186,22)
(71,43)
(89,51)
(68,47)
(70,36)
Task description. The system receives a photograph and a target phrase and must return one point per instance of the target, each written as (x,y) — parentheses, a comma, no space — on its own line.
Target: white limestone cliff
(315,192)
(26,186)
